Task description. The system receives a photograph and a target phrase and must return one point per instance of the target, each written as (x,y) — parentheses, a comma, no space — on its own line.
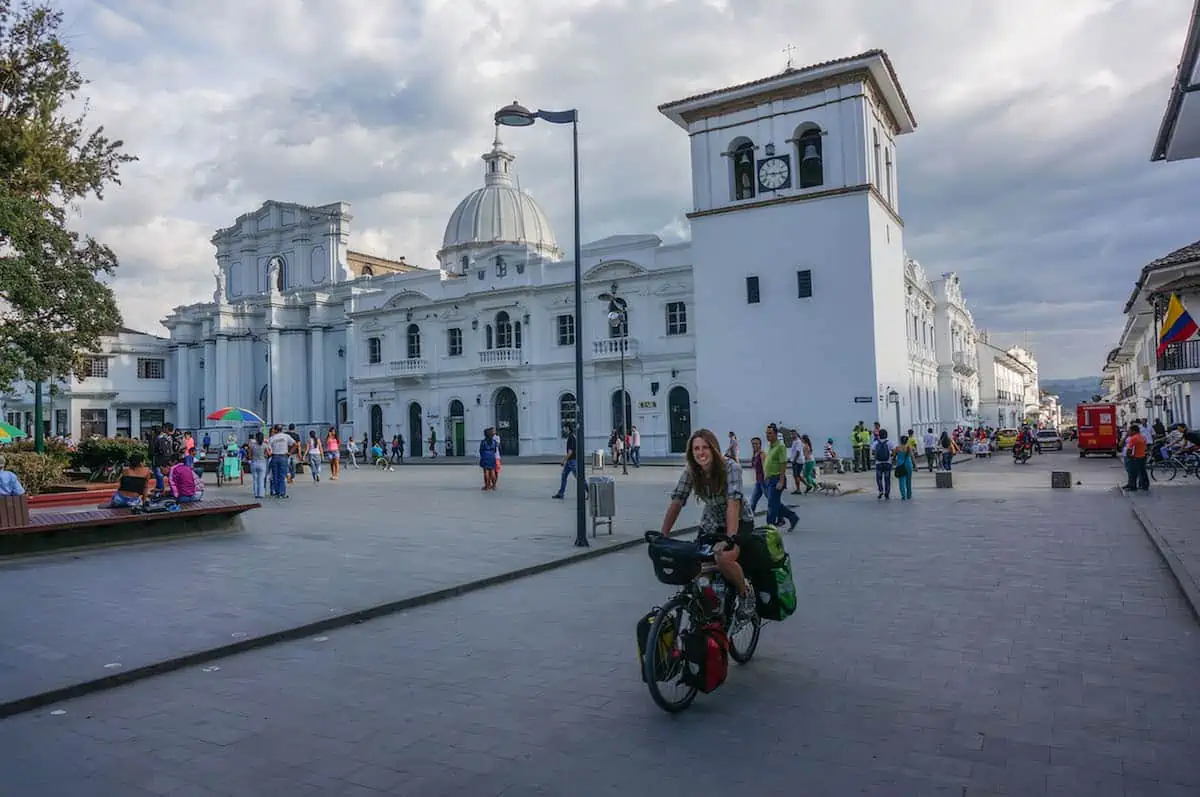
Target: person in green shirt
(775,469)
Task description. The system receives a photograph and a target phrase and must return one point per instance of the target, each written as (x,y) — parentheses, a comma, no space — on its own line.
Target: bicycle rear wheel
(663,663)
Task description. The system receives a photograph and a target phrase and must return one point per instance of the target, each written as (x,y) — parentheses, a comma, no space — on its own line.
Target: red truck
(1098,432)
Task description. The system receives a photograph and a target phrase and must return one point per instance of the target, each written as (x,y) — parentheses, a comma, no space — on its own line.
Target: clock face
(774,173)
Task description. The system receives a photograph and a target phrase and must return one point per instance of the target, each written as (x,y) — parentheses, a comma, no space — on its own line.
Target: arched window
(504,331)
(741,157)
(414,342)
(367,271)
(280,275)
(566,413)
(809,157)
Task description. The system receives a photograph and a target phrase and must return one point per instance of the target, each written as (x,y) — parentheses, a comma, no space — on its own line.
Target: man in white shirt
(796,460)
(931,449)
(279,444)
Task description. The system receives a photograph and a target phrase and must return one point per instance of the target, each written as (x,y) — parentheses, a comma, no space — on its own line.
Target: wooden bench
(51,529)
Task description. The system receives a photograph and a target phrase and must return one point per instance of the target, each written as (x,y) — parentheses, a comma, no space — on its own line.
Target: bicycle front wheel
(1163,471)
(663,663)
(744,630)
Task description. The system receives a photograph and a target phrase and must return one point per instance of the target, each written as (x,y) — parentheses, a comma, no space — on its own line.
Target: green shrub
(36,471)
(104,452)
(53,448)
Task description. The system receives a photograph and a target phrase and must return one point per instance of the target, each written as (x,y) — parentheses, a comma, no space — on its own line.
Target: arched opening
(507,425)
(415,430)
(567,411)
(742,168)
(504,331)
(414,342)
(679,407)
(456,431)
(280,274)
(367,271)
(621,421)
(376,424)
(810,158)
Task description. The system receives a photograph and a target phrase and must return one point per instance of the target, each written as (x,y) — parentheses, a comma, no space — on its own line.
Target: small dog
(829,488)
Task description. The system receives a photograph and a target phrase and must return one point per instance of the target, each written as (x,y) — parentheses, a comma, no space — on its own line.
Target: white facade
(1051,415)
(1143,384)
(1002,379)
(795,203)
(955,338)
(795,301)
(125,390)
(1031,392)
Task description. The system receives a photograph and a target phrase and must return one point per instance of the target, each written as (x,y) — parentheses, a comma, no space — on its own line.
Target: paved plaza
(999,638)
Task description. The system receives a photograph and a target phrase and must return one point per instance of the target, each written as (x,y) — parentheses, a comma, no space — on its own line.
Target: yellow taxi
(1006,438)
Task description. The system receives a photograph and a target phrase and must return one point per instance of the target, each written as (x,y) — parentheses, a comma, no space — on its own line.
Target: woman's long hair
(710,483)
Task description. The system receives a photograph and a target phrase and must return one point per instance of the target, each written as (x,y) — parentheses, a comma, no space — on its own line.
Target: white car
(1050,439)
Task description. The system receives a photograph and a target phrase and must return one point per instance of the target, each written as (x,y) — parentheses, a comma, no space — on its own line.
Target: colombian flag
(1177,325)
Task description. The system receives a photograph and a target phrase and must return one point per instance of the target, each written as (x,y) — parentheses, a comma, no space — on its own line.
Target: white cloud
(1030,167)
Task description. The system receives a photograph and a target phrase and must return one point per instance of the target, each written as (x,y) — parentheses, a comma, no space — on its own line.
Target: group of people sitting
(139,486)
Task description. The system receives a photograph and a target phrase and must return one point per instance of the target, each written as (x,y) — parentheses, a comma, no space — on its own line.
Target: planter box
(1060,479)
(944,479)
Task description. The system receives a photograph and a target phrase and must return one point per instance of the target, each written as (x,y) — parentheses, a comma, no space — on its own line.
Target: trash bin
(602,497)
(598,459)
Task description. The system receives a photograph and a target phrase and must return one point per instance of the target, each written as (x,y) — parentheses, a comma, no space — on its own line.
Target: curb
(32,702)
(1179,571)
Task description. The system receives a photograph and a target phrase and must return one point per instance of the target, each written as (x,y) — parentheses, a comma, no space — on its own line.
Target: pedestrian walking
(883,465)
(903,467)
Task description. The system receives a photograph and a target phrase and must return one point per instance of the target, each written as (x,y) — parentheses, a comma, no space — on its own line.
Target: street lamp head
(893,397)
(515,115)
(614,319)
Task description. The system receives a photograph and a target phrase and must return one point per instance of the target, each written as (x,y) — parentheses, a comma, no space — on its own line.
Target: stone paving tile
(330,549)
(1037,649)
(1173,508)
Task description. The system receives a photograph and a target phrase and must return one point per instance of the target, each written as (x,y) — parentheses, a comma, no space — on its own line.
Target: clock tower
(798,248)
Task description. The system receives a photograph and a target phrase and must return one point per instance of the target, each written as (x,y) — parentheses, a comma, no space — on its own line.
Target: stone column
(348,345)
(317,400)
(183,394)
(210,377)
(224,367)
(273,374)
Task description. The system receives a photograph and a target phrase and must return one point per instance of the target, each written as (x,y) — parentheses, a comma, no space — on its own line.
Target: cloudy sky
(1029,173)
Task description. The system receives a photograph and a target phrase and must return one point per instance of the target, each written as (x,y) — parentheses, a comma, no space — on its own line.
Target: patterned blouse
(713,519)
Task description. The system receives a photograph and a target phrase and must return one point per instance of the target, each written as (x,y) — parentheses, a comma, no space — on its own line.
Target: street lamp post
(516,115)
(894,398)
(618,319)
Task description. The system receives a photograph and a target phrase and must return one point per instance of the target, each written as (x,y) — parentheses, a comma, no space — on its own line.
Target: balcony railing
(615,348)
(965,362)
(1127,392)
(413,366)
(1180,357)
(499,358)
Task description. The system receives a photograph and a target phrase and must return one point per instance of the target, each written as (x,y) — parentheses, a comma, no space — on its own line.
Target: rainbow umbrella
(235,415)
(8,433)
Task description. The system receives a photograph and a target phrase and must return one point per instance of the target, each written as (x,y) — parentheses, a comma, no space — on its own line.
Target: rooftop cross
(791,48)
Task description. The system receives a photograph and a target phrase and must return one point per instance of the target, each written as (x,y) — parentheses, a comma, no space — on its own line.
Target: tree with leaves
(53,304)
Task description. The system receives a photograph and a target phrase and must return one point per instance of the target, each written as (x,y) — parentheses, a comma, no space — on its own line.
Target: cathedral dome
(497,213)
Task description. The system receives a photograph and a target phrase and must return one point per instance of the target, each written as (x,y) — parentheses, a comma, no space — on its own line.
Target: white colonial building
(955,337)
(1144,384)
(794,301)
(124,390)
(1003,377)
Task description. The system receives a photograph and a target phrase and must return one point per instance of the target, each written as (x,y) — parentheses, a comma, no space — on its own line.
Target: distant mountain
(1072,391)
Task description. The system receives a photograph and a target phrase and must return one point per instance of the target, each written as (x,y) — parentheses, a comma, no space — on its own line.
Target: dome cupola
(498,213)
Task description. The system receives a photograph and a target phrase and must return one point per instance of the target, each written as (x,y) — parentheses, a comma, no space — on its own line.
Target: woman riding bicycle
(717,482)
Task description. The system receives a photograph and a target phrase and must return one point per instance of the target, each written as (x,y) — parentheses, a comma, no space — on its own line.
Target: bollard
(1060,479)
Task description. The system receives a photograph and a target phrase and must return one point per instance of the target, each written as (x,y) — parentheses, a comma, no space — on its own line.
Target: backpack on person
(883,453)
